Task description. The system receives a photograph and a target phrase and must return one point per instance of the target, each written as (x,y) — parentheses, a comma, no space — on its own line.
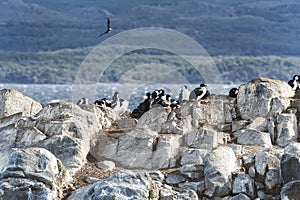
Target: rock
(248,160)
(192,171)
(238,125)
(237,197)
(153,119)
(243,183)
(157,176)
(171,127)
(29,137)
(287,129)
(8,137)
(273,180)
(290,191)
(106,116)
(91,180)
(252,172)
(170,194)
(135,149)
(263,97)
(258,124)
(31,172)
(253,137)
(126,123)
(106,165)
(174,179)
(261,194)
(202,139)
(215,109)
(267,160)
(219,164)
(193,156)
(238,149)
(10,120)
(121,185)
(139,148)
(166,152)
(12,102)
(20,188)
(290,163)
(196,186)
(70,132)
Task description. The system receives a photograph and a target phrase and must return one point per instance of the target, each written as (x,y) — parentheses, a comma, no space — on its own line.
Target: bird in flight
(108,29)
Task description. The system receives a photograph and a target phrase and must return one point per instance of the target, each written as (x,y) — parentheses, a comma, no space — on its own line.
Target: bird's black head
(203,85)
(233,92)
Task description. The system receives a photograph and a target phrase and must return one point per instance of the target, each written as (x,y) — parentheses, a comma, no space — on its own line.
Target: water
(134,93)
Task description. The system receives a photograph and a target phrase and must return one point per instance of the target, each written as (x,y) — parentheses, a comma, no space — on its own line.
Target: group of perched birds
(120,106)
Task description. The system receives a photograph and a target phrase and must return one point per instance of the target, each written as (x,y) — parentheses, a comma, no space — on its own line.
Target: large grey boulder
(287,130)
(215,109)
(193,156)
(121,185)
(290,163)
(253,137)
(31,173)
(263,97)
(69,131)
(139,148)
(268,159)
(153,119)
(290,191)
(243,183)
(218,168)
(13,101)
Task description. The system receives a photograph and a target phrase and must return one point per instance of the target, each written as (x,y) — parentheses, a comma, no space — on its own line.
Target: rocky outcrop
(133,185)
(12,102)
(217,148)
(32,173)
(263,97)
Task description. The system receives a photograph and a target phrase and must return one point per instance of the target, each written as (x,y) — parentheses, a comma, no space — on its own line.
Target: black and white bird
(103,102)
(165,100)
(120,106)
(108,30)
(199,92)
(295,83)
(157,96)
(233,92)
(115,100)
(83,101)
(142,107)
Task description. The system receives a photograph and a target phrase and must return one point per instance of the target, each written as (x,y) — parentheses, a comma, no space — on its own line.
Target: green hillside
(61,67)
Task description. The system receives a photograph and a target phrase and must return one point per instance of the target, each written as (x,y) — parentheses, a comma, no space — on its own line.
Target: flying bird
(108,29)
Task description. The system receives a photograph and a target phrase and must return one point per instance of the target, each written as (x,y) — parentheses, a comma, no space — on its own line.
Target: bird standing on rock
(233,92)
(199,92)
(108,30)
(143,107)
(295,83)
